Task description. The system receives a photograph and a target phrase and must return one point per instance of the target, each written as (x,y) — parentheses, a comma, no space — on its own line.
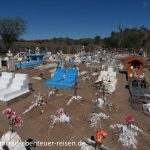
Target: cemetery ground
(37,126)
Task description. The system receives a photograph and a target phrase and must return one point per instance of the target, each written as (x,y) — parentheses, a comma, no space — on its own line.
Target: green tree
(97,39)
(11,29)
(111,42)
(86,41)
(132,40)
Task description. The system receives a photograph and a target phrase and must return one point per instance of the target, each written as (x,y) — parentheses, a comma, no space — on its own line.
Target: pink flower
(59,112)
(18,121)
(129,119)
(7,112)
(14,120)
(13,115)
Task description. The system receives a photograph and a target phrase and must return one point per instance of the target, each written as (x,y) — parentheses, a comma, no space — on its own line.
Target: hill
(129,38)
(132,38)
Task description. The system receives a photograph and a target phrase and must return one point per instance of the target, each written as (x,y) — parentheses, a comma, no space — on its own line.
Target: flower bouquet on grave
(60,116)
(100,136)
(40,102)
(129,120)
(128,132)
(14,120)
(95,142)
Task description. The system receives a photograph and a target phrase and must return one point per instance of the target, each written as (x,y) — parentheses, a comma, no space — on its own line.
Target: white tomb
(146,107)
(12,141)
(0,62)
(109,79)
(18,87)
(6,80)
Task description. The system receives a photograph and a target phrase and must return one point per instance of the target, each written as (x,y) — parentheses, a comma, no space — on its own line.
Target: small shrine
(135,66)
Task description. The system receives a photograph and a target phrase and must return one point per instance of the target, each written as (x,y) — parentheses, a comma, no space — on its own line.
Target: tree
(97,39)
(11,29)
(86,41)
(113,33)
(111,42)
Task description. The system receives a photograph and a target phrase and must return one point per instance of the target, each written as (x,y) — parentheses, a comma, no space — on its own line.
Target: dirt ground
(37,126)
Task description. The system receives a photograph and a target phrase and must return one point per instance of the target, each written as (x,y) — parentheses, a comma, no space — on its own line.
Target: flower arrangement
(59,116)
(59,112)
(129,119)
(128,135)
(14,120)
(128,132)
(100,136)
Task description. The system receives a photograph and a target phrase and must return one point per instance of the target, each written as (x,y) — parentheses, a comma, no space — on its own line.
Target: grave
(34,60)
(0,63)
(12,141)
(14,86)
(109,79)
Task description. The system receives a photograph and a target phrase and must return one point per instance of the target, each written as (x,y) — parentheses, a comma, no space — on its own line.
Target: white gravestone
(0,62)
(11,64)
(10,61)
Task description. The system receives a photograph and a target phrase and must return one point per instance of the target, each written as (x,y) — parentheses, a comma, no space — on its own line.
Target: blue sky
(76,18)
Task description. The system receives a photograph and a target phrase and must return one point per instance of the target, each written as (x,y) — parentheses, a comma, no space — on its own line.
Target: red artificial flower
(7,112)
(18,121)
(59,112)
(13,115)
(129,119)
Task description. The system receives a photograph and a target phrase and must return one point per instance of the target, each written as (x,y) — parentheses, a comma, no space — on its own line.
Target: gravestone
(9,54)
(10,61)
(0,62)
(11,64)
